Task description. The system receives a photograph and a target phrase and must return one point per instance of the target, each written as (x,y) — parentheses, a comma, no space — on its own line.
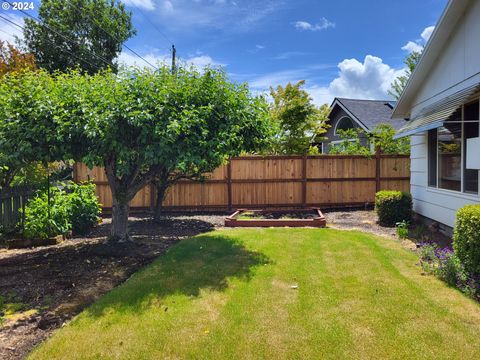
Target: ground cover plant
(276,293)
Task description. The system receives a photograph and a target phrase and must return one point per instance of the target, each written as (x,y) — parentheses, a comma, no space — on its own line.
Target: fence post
(304,181)
(378,160)
(152,196)
(229,184)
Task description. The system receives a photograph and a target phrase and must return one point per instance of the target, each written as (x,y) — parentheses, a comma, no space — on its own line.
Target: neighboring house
(354,113)
(441,100)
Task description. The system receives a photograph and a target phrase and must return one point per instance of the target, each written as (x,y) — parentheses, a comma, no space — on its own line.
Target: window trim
(436,189)
(340,120)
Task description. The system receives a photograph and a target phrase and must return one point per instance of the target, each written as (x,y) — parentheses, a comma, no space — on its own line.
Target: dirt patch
(54,283)
(357,220)
(278,215)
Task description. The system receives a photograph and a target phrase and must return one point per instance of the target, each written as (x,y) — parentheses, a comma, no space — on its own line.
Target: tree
(297,119)
(142,125)
(400,82)
(30,132)
(14,60)
(381,136)
(78,33)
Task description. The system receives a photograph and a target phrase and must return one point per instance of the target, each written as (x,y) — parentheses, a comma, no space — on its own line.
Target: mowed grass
(228,295)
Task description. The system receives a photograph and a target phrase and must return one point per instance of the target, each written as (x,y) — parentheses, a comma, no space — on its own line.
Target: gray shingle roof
(372,112)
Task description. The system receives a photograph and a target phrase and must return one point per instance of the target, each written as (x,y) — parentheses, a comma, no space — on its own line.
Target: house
(357,114)
(441,101)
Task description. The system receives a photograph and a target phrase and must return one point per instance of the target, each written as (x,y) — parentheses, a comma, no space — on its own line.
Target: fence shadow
(196,264)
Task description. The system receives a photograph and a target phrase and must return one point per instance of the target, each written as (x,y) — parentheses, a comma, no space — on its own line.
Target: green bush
(393,207)
(74,207)
(40,223)
(466,238)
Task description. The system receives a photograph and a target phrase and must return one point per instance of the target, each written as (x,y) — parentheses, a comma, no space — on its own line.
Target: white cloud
(369,79)
(144,4)
(9,31)
(412,46)
(323,24)
(427,32)
(182,15)
(418,44)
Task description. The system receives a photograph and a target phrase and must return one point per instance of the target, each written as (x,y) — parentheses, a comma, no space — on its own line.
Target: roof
(440,36)
(369,113)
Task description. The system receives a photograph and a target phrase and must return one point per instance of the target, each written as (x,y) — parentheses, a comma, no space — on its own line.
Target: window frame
(438,189)
(340,120)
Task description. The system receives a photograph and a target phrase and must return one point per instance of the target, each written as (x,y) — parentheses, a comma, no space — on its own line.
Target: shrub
(40,223)
(393,207)
(449,268)
(466,238)
(75,207)
(84,207)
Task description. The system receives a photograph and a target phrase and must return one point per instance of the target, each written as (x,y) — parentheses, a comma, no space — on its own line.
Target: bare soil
(275,215)
(54,283)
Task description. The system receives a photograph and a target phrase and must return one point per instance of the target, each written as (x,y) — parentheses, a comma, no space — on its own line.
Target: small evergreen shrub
(466,238)
(393,207)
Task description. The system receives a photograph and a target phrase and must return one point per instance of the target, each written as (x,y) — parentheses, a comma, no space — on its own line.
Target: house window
(344,123)
(447,151)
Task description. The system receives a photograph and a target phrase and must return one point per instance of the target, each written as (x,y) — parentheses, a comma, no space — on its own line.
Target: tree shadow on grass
(204,262)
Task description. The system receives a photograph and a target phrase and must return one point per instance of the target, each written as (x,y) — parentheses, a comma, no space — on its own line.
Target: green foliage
(400,82)
(84,208)
(466,238)
(43,221)
(74,207)
(93,33)
(402,229)
(350,144)
(393,207)
(297,120)
(381,135)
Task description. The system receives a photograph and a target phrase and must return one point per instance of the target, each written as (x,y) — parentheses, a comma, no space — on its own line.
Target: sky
(343,48)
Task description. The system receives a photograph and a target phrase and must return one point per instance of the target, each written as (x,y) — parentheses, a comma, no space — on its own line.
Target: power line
(51,42)
(155,27)
(60,34)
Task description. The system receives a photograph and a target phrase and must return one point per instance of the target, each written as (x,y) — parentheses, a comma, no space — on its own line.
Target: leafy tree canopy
(297,119)
(400,82)
(78,33)
(14,60)
(137,124)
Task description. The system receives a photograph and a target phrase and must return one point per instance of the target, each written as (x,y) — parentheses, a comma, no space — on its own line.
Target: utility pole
(174,54)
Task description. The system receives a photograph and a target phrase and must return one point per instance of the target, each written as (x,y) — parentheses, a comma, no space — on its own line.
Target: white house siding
(439,205)
(457,67)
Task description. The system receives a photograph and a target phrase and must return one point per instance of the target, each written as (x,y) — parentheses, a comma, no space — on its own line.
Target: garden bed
(276,218)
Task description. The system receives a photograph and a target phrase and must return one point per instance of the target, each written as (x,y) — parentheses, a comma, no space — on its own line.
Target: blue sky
(340,47)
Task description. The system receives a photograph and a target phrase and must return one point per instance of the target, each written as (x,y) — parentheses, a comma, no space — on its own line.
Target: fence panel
(12,204)
(274,181)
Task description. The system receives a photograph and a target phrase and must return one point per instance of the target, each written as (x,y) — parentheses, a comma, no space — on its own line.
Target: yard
(276,293)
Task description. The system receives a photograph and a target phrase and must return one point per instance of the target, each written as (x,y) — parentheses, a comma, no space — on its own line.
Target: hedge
(466,238)
(393,207)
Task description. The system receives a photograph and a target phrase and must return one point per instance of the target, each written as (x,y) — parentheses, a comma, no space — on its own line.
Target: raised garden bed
(276,218)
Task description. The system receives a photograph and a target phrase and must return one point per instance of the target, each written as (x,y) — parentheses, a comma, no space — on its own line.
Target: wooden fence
(274,182)
(12,204)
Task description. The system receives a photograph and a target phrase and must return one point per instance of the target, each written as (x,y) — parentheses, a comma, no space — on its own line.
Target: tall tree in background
(298,120)
(78,33)
(400,82)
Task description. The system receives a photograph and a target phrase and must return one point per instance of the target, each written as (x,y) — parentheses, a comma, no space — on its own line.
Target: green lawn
(228,295)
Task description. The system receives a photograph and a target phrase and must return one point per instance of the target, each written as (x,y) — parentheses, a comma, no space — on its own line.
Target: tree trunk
(161,192)
(120,211)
